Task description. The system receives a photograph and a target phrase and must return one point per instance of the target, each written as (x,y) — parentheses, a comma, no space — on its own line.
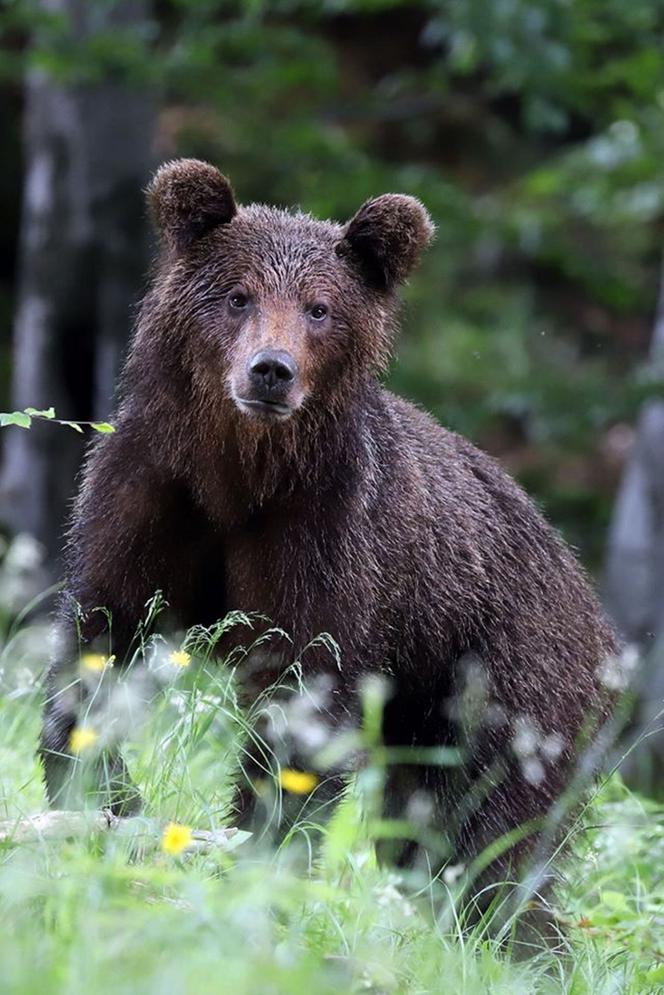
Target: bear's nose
(272,368)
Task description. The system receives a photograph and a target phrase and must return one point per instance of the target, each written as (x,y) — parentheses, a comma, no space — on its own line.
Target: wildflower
(532,769)
(96,662)
(388,896)
(453,872)
(24,553)
(176,838)
(616,672)
(82,739)
(527,737)
(298,782)
(552,746)
(180,658)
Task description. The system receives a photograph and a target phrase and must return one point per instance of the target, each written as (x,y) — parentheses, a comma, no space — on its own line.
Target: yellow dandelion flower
(82,739)
(96,662)
(298,782)
(176,838)
(180,658)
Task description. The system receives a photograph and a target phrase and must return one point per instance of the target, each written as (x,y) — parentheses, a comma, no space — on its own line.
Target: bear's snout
(272,371)
(271,376)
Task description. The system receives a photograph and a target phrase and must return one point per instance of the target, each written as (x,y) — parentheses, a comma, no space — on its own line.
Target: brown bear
(258,464)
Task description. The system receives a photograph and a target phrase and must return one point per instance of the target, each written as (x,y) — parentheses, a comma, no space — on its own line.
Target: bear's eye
(318,312)
(238,301)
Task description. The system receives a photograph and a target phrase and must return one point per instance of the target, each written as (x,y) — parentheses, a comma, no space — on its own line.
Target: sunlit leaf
(47,413)
(19,418)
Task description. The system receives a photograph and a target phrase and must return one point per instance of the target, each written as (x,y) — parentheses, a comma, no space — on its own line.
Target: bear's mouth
(269,409)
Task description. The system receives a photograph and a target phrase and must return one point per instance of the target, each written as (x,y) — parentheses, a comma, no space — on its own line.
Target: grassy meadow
(136,911)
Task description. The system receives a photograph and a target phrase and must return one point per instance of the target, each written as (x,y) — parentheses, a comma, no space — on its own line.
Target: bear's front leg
(298,757)
(132,535)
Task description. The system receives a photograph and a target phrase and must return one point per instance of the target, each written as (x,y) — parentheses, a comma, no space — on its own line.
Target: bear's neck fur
(234,465)
(245,467)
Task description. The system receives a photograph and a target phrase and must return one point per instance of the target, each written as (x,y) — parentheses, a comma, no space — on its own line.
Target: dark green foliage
(531,129)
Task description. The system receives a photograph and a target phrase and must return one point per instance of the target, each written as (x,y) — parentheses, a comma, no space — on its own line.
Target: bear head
(278,312)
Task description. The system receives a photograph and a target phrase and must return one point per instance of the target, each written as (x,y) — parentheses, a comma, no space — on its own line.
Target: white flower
(552,746)
(453,872)
(388,896)
(25,554)
(533,770)
(527,736)
(616,672)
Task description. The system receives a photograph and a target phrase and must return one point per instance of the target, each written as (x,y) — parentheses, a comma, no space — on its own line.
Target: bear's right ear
(187,199)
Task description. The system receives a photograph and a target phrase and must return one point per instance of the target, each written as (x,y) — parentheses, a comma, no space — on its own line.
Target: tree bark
(88,153)
(634,579)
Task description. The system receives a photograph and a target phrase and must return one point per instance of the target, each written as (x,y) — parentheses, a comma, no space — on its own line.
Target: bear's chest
(302,566)
(270,570)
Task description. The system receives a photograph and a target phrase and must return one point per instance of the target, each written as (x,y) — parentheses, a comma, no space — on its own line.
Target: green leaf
(19,418)
(102,426)
(655,975)
(72,424)
(615,900)
(47,413)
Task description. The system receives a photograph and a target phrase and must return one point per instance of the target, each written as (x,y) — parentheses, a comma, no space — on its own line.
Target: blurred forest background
(533,130)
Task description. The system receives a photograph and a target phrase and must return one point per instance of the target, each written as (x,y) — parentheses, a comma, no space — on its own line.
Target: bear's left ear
(386,238)
(187,199)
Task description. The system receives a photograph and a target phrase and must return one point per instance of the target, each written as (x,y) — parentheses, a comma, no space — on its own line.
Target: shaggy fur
(358,515)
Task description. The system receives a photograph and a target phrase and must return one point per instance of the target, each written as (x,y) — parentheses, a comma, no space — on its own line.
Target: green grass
(93,915)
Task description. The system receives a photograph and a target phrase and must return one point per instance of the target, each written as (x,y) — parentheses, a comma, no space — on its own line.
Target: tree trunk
(635,573)
(88,153)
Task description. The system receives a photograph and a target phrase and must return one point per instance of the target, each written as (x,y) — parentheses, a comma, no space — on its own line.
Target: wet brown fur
(359,515)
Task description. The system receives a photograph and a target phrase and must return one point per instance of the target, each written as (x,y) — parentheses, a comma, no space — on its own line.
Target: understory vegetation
(136,910)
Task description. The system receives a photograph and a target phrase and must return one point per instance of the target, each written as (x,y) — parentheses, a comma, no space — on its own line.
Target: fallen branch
(62,825)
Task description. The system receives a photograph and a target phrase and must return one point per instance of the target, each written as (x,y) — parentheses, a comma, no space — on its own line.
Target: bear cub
(258,464)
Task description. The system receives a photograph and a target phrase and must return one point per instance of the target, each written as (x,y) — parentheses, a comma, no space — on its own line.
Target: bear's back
(483,557)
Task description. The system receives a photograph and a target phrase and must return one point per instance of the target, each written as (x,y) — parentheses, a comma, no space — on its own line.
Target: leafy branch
(24,419)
